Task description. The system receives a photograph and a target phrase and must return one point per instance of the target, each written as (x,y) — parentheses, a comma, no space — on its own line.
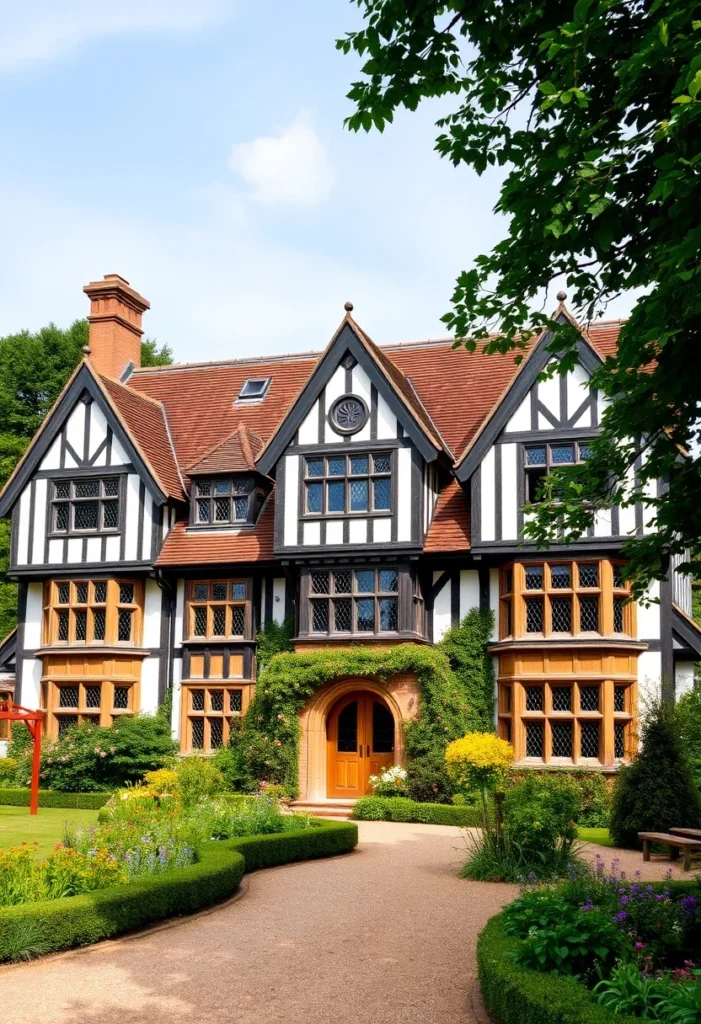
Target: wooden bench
(674,843)
(687,833)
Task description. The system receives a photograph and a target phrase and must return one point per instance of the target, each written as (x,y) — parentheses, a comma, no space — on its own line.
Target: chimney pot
(115,324)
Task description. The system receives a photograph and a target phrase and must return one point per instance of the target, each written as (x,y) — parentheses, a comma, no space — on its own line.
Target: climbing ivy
(264,745)
(466,647)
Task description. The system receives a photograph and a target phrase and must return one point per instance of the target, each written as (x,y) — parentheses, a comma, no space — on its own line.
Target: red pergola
(10,712)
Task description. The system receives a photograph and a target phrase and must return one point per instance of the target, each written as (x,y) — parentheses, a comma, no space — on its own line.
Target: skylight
(254,389)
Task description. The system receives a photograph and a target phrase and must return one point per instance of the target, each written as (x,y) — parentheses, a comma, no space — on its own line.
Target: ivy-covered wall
(456,687)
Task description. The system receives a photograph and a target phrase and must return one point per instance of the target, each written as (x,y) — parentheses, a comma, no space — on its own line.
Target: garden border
(514,994)
(397,808)
(49,926)
(54,798)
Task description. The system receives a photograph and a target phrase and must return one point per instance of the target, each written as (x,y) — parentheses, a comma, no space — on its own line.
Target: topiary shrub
(656,792)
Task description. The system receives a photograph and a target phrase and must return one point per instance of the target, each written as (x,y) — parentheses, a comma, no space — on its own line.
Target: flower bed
(592,949)
(34,929)
(397,808)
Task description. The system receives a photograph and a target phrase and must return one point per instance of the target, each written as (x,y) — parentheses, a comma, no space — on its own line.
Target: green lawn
(595,835)
(18,826)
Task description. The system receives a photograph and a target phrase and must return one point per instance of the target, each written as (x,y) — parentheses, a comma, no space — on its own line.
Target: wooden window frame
(72,501)
(512,716)
(605,591)
(207,715)
(545,468)
(205,492)
(354,595)
(111,606)
(229,603)
(104,715)
(347,478)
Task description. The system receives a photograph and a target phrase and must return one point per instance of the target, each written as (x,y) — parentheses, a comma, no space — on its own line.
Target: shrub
(656,792)
(8,769)
(24,878)
(197,779)
(578,942)
(479,760)
(427,779)
(688,715)
(375,808)
(390,782)
(162,781)
(91,758)
(593,788)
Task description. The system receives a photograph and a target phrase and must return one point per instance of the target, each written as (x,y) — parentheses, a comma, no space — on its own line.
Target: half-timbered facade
(162,516)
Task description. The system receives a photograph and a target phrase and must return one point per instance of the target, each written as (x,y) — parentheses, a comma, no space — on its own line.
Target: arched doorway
(360,742)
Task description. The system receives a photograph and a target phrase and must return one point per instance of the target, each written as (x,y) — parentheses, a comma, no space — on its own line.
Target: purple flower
(640,945)
(621,916)
(689,905)
(624,900)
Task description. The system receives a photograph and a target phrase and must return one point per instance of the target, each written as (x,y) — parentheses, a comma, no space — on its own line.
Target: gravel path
(385,935)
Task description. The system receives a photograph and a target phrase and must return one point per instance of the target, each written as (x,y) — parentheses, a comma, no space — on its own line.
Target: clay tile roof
(450,526)
(235,454)
(211,547)
(401,385)
(145,420)
(200,399)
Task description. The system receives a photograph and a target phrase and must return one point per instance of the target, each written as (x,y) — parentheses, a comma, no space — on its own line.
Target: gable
(81,432)
(389,402)
(529,404)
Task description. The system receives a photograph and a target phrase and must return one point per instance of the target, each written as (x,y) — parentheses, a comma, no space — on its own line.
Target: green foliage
(688,716)
(532,833)
(198,779)
(466,647)
(601,186)
(514,994)
(34,368)
(49,798)
(165,708)
(80,920)
(576,942)
(594,794)
(427,779)
(274,638)
(656,792)
(378,808)
(8,769)
(629,991)
(91,758)
(266,742)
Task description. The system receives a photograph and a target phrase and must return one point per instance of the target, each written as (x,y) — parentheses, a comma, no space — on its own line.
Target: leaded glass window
(85,506)
(541,458)
(354,601)
(219,609)
(348,484)
(223,500)
(78,611)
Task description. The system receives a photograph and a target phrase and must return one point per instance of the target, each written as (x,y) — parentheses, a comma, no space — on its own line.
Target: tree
(34,369)
(594,108)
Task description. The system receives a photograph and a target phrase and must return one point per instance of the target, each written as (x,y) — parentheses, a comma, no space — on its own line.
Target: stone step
(324,808)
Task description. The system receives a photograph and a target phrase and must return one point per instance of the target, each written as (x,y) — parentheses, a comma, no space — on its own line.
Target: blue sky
(197,148)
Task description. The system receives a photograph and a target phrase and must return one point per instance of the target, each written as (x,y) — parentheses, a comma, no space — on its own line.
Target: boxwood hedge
(515,994)
(398,808)
(52,925)
(52,798)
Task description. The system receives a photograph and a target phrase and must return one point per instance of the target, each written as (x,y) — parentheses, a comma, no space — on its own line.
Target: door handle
(360,752)
(368,750)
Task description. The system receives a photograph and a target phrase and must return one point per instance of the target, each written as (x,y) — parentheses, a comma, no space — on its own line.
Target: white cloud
(291,167)
(36,31)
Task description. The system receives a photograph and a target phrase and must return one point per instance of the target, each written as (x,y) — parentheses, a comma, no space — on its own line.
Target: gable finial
(561,296)
(86,350)
(348,306)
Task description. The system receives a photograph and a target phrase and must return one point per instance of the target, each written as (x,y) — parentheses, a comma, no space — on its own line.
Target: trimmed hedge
(516,995)
(52,798)
(398,808)
(52,925)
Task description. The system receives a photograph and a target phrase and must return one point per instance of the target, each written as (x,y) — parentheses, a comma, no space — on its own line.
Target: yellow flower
(478,759)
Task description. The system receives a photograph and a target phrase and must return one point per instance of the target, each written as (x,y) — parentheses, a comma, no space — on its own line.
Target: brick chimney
(115,325)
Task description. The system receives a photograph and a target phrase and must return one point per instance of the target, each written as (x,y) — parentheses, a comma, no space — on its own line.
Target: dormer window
(222,501)
(254,389)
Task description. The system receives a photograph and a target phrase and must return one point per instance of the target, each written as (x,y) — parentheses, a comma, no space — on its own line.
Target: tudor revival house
(162,516)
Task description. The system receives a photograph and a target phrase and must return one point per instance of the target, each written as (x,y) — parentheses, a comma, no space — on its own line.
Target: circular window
(348,414)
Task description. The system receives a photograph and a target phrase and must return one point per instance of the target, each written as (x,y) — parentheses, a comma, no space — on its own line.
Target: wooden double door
(360,743)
